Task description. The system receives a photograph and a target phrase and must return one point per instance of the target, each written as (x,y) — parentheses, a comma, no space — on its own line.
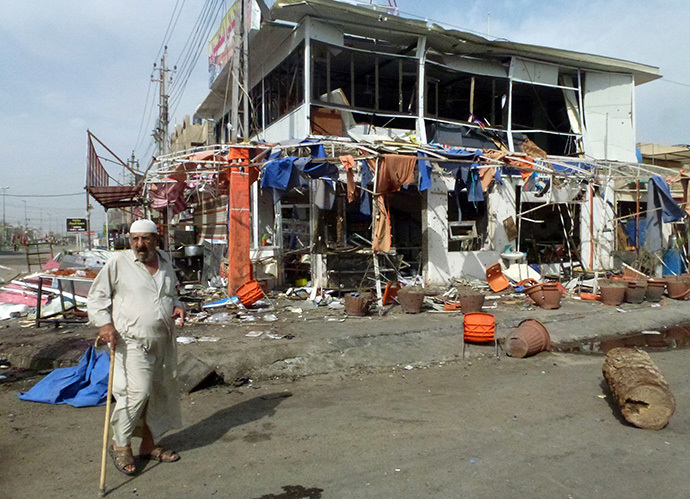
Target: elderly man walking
(134,303)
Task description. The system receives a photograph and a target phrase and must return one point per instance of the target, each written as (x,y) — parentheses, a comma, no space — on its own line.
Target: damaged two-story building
(435,151)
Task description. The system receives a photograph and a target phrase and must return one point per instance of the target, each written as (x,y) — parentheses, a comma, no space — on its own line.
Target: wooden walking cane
(106,425)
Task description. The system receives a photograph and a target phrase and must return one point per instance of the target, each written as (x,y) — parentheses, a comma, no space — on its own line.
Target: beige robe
(125,294)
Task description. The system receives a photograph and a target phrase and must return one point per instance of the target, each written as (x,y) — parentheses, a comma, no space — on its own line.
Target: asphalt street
(543,427)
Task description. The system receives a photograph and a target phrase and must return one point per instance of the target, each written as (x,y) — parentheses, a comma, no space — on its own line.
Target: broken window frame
(435,66)
(561,72)
(406,98)
(283,87)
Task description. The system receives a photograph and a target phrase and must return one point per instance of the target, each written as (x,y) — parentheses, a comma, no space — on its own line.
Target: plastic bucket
(479,326)
(249,293)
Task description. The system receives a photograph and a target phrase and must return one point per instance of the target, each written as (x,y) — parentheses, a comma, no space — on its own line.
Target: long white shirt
(125,294)
(140,307)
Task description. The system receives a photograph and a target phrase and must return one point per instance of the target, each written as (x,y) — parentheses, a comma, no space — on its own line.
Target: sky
(69,66)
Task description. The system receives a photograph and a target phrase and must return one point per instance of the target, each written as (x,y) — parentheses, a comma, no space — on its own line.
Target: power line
(42,195)
(168,31)
(194,50)
(178,98)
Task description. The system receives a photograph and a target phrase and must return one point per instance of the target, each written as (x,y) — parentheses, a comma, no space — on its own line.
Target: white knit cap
(144,226)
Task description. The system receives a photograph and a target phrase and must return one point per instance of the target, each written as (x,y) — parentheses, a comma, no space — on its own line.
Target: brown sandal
(162,455)
(123,458)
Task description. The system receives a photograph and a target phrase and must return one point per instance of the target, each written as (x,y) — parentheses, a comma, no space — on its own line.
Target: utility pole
(4,224)
(160,133)
(133,165)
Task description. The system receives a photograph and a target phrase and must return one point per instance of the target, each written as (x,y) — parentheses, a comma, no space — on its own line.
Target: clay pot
(552,295)
(471,303)
(655,290)
(356,305)
(529,338)
(536,293)
(678,287)
(612,293)
(410,301)
(635,292)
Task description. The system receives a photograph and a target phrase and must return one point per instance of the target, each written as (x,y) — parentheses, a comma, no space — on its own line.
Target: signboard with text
(77,225)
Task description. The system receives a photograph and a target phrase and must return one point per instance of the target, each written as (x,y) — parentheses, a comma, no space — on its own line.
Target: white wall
(291,126)
(442,266)
(603,229)
(608,113)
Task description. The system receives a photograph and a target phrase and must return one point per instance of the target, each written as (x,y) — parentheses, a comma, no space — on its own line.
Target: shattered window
(280,92)
(467,222)
(539,108)
(364,80)
(452,95)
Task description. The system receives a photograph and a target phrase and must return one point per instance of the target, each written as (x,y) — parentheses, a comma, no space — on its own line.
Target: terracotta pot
(552,295)
(635,292)
(655,290)
(678,287)
(471,303)
(410,301)
(356,305)
(529,338)
(536,293)
(612,293)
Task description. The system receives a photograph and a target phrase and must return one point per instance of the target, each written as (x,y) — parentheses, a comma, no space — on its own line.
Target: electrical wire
(143,117)
(176,94)
(42,195)
(169,31)
(195,38)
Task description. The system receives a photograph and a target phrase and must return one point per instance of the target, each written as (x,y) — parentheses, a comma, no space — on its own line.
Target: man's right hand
(108,333)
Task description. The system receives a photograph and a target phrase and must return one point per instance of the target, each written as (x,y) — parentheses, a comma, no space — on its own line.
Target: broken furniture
(497,281)
(70,313)
(38,254)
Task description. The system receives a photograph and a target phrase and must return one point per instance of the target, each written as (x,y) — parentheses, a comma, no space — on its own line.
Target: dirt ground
(537,427)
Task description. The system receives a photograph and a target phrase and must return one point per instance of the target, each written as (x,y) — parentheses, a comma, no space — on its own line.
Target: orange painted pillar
(239,231)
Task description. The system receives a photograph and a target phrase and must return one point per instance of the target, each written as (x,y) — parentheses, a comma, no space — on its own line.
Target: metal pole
(26,224)
(4,224)
(245,70)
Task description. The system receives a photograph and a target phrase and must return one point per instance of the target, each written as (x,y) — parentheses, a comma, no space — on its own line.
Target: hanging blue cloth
(324,194)
(364,198)
(277,173)
(661,207)
(671,211)
(424,172)
(84,385)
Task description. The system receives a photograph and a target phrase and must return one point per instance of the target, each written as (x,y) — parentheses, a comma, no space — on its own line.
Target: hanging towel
(84,385)
(349,165)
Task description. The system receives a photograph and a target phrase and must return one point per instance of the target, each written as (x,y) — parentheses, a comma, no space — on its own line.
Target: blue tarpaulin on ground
(84,385)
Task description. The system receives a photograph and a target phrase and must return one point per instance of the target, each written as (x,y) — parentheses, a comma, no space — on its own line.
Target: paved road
(11,264)
(532,428)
